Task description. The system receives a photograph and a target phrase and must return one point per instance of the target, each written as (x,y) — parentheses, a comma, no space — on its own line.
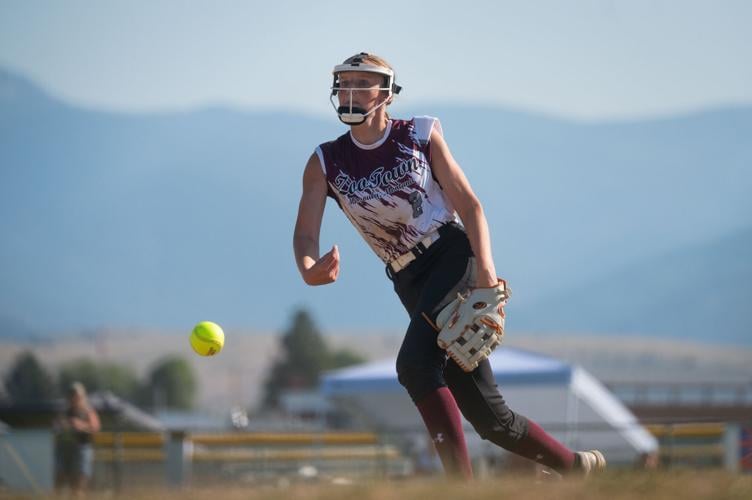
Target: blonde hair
(78,389)
(370,59)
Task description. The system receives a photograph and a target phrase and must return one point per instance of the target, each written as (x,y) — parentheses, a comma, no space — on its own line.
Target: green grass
(683,485)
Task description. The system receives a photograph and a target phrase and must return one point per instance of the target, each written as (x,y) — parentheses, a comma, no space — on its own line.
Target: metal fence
(128,461)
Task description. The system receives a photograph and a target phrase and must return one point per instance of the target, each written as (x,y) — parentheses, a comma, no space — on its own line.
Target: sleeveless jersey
(387,189)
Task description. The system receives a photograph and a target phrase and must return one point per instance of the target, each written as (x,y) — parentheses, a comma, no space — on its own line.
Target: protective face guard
(354,115)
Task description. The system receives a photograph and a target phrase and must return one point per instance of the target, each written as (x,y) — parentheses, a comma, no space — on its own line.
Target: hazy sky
(592,59)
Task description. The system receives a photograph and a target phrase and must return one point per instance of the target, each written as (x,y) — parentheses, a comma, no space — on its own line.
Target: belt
(403,260)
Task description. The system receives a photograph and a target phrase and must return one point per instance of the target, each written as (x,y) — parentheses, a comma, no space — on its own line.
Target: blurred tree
(304,356)
(28,381)
(170,384)
(341,358)
(118,379)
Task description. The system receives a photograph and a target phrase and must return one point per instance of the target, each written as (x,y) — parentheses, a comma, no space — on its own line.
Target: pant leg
(482,405)
(421,362)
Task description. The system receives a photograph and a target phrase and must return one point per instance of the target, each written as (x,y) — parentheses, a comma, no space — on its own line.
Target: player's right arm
(315,270)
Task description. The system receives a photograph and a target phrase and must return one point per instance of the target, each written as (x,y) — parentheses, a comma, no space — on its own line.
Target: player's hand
(325,270)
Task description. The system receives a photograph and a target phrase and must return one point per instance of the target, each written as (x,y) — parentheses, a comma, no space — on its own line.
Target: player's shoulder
(419,127)
(413,122)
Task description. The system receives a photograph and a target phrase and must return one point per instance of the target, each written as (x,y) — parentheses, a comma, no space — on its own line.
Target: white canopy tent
(565,399)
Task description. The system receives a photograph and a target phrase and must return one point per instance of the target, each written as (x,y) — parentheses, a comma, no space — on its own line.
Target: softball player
(398,184)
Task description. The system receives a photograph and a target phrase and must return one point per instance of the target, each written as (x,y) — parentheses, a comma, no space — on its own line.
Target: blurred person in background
(74,430)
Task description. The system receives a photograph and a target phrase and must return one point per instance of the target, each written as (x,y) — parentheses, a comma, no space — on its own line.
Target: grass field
(687,485)
(684,485)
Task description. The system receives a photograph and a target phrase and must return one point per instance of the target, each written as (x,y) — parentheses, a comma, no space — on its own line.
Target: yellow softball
(207,338)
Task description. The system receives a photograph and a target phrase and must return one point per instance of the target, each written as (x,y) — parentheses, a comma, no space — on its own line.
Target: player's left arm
(460,194)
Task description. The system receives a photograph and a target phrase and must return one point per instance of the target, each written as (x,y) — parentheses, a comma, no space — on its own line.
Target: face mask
(355,115)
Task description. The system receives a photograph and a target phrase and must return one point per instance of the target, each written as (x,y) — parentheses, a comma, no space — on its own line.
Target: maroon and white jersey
(387,189)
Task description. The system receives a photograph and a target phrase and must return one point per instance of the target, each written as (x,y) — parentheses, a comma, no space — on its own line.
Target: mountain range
(161,220)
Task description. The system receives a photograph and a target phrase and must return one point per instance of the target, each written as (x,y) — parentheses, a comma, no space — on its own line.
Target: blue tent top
(509,365)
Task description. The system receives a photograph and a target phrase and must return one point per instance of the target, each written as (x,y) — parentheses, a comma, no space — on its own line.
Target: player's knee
(505,432)
(418,379)
(408,377)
